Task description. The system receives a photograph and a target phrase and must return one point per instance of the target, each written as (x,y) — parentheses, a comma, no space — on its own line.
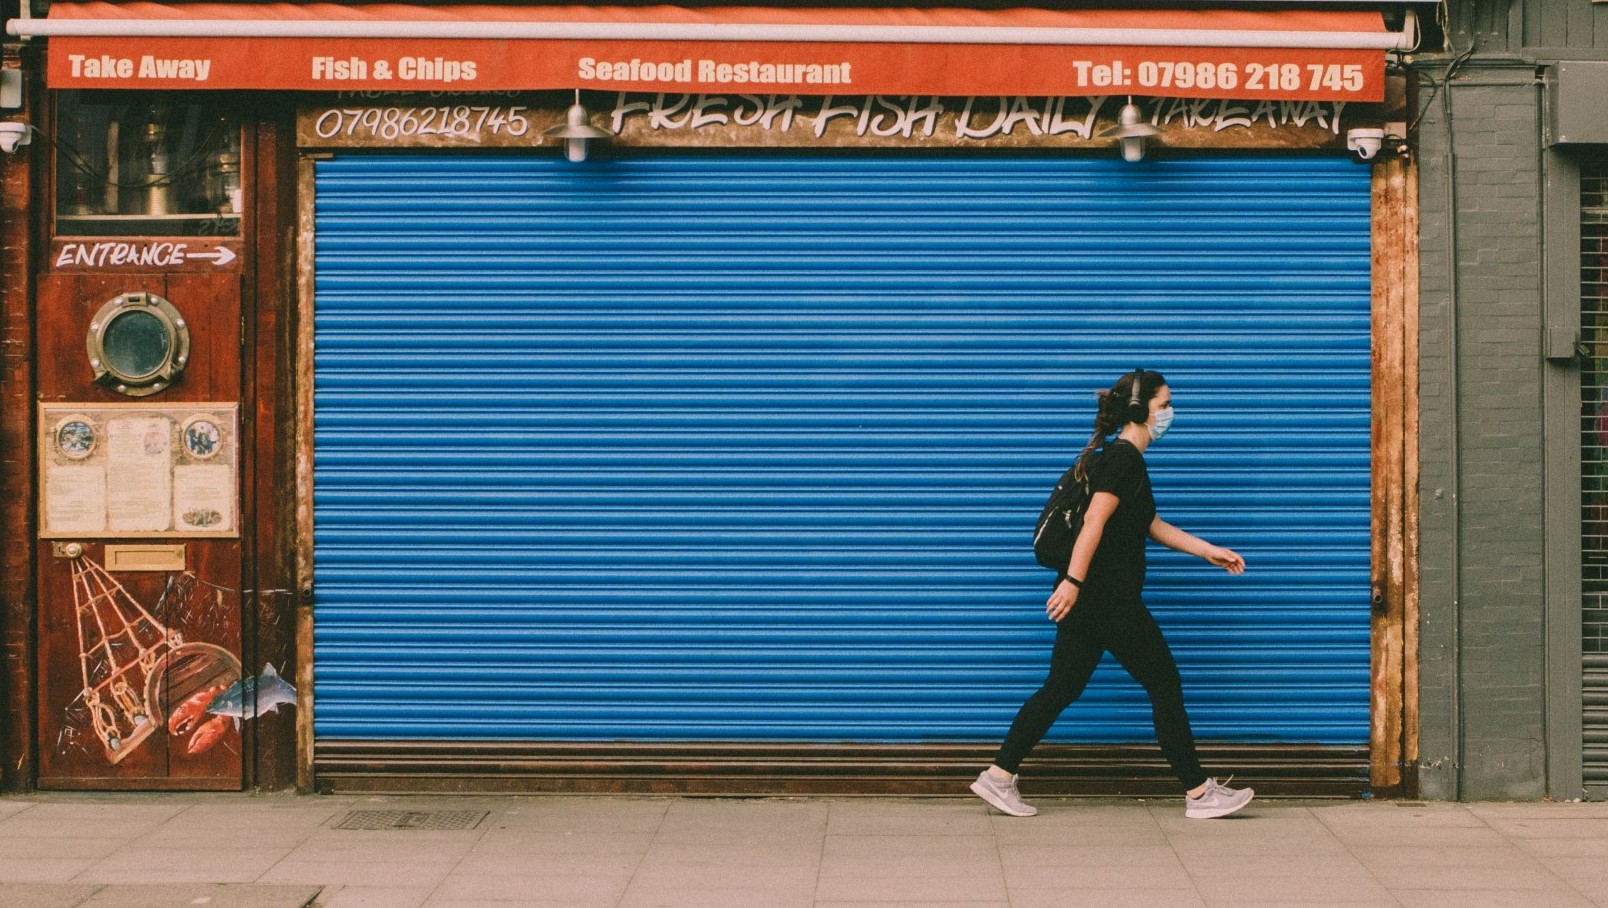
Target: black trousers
(1126,629)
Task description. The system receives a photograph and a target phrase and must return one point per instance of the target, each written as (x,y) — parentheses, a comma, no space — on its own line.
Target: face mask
(1163,422)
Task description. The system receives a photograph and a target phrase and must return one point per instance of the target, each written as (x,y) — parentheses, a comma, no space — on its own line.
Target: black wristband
(1073,580)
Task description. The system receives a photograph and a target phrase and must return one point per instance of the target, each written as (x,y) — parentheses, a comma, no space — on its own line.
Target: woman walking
(1097,606)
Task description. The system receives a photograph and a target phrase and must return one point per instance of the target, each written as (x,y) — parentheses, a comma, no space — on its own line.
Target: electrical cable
(186,168)
(1460,732)
(1436,85)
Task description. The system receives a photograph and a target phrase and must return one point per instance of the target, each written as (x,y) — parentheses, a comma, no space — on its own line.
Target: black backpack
(1060,521)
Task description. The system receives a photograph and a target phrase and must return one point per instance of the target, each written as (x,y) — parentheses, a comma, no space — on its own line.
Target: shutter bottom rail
(760,769)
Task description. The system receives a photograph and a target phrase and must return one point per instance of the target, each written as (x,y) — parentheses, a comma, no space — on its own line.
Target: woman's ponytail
(1105,422)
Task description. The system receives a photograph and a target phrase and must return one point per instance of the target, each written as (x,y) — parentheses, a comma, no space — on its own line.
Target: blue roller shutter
(750,448)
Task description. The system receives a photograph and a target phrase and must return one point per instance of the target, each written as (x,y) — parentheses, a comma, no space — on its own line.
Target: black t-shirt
(1118,568)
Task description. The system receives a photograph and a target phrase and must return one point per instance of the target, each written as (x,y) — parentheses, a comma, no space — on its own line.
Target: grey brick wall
(1482,692)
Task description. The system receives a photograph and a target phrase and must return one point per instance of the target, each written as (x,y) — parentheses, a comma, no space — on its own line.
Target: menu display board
(130,470)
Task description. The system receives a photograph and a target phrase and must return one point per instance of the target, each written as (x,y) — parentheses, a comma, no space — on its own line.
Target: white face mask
(1164,420)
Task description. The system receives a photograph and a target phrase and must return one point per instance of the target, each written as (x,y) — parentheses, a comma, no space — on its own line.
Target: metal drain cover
(439,820)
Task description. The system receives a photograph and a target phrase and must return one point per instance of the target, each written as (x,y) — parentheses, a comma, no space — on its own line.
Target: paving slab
(713,877)
(136,895)
(820,904)
(72,820)
(45,895)
(1502,854)
(1315,866)
(374,896)
(1392,815)
(1105,876)
(776,822)
(1019,831)
(1492,898)
(256,817)
(893,847)
(922,888)
(1534,810)
(1317,900)
(142,863)
(515,884)
(1433,836)
(1058,855)
(1596,892)
(1576,870)
(83,847)
(500,903)
(591,815)
(1557,827)
(348,873)
(938,818)
(10,806)
(522,903)
(1467,878)
(748,855)
(1249,825)
(1104,898)
(383,847)
(1102,814)
(1298,890)
(514,840)
(42,869)
(1565,848)
(732,898)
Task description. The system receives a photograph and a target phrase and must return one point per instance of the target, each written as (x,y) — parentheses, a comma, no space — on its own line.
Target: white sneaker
(1002,794)
(1218,800)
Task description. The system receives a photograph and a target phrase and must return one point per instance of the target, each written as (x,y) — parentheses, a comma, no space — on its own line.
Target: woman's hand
(1226,559)
(1061,601)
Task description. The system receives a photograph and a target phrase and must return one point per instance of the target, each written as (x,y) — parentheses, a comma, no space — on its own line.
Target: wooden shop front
(656,409)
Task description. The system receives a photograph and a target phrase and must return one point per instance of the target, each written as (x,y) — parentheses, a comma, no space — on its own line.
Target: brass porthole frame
(164,374)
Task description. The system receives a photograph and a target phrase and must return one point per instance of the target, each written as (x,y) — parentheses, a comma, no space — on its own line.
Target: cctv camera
(1365,142)
(13,136)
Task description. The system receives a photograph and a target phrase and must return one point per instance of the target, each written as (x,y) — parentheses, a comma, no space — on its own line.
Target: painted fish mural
(249,698)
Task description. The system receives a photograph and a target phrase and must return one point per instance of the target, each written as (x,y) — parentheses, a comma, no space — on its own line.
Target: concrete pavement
(287,851)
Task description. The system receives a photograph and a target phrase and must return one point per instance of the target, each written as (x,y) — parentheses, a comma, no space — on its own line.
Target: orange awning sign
(1282,55)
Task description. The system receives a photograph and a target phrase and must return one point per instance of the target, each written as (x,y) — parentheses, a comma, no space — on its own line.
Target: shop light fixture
(1130,132)
(577,131)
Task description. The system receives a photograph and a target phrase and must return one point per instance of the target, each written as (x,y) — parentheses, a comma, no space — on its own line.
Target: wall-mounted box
(1577,114)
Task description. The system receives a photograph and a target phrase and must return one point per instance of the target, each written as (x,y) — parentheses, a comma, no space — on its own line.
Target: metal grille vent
(1594,465)
(437,820)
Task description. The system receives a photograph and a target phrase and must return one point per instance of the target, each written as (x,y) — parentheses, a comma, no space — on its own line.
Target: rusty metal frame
(1393,744)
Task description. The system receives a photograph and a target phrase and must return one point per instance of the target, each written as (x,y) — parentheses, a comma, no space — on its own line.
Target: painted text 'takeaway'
(106,66)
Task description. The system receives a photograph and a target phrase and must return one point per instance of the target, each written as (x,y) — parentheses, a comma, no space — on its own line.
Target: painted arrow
(220,256)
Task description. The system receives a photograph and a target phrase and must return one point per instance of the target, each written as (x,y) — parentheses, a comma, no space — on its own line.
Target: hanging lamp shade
(576,131)
(1129,125)
(1131,132)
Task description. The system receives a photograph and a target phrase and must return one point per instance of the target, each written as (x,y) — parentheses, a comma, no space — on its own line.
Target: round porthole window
(138,344)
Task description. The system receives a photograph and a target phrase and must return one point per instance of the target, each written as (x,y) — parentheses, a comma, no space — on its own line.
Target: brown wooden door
(132,663)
